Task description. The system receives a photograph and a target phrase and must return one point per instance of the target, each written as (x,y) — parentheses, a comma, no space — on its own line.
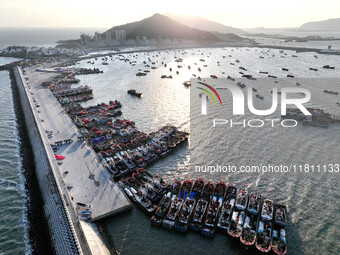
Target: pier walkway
(80,176)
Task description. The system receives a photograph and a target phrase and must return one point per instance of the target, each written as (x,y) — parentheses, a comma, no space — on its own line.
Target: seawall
(64,227)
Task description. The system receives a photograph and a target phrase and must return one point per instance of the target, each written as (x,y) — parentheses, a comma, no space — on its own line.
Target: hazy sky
(108,13)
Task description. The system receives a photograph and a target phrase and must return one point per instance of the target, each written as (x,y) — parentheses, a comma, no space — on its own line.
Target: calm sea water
(310,44)
(312,199)
(13,214)
(41,37)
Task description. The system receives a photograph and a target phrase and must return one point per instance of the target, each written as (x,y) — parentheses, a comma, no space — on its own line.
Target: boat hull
(182,229)
(263,249)
(155,221)
(208,232)
(235,235)
(247,243)
(168,224)
(195,227)
(278,252)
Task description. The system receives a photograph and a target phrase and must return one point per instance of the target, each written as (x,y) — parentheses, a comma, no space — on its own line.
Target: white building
(98,37)
(123,34)
(84,39)
(108,38)
(120,35)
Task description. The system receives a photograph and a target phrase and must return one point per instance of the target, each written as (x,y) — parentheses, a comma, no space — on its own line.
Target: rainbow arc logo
(209,93)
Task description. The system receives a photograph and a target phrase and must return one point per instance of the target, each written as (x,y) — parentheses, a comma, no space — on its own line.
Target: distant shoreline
(296,49)
(117,51)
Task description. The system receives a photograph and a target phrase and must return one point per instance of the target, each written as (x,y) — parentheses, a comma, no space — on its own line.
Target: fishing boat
(142,176)
(162,209)
(328,67)
(139,161)
(186,211)
(241,85)
(331,92)
(237,218)
(248,236)
(201,207)
(158,188)
(255,203)
(140,198)
(134,93)
(263,235)
(165,203)
(166,76)
(214,209)
(250,223)
(153,186)
(267,210)
(280,214)
(187,83)
(227,207)
(176,205)
(278,239)
(242,200)
(236,223)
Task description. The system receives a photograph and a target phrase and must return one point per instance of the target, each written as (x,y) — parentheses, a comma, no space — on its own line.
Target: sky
(109,13)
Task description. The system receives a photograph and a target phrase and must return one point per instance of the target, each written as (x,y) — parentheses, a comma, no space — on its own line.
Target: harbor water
(312,198)
(13,214)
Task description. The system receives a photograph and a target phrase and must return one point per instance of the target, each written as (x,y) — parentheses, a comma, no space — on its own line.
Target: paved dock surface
(80,174)
(96,243)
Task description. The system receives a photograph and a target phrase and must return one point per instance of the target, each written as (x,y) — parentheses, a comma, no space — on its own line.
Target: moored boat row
(206,207)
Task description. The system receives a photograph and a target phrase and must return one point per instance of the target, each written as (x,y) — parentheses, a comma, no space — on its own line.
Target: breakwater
(61,229)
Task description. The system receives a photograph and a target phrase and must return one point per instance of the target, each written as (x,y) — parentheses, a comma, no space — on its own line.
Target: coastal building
(123,34)
(108,38)
(97,37)
(84,39)
(120,35)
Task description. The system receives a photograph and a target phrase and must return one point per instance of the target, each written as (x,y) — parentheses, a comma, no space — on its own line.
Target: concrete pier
(80,177)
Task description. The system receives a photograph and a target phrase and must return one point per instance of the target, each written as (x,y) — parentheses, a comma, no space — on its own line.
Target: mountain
(160,25)
(203,24)
(330,24)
